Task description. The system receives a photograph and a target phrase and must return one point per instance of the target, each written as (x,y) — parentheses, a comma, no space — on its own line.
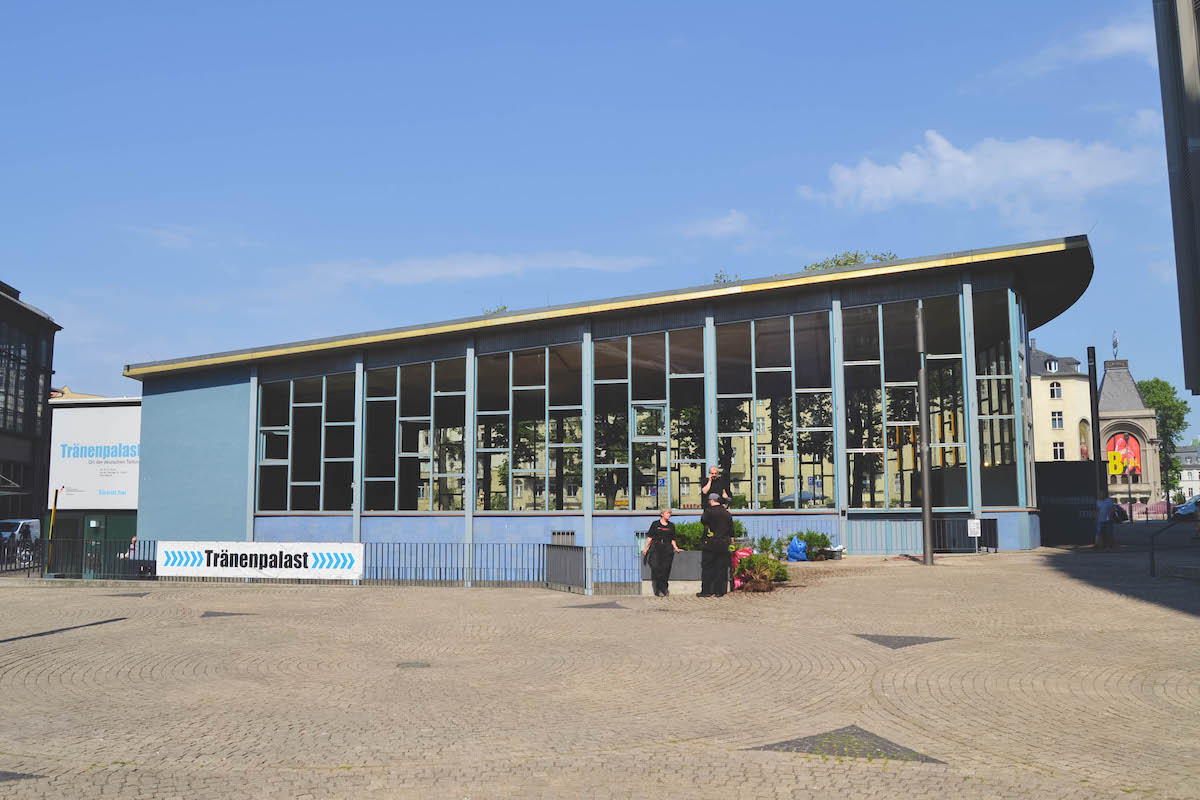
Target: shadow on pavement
(1127,569)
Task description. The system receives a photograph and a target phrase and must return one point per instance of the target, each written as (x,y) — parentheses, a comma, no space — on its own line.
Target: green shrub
(816,541)
(779,571)
(762,568)
(690,535)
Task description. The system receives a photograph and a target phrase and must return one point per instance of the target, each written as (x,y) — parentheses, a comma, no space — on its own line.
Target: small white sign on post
(974,528)
(311,560)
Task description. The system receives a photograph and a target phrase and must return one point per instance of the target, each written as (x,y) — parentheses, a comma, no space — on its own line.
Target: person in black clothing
(716,484)
(714,561)
(661,549)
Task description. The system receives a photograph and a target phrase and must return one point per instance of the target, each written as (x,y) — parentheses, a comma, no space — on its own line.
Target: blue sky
(181,179)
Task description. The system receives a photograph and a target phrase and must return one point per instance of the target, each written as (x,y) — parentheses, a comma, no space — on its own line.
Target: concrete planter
(685,567)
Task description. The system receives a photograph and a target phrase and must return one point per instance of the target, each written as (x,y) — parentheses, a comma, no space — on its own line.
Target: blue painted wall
(413,529)
(303,529)
(1016,530)
(194,454)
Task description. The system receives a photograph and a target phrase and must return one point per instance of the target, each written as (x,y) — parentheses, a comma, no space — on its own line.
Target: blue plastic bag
(797,550)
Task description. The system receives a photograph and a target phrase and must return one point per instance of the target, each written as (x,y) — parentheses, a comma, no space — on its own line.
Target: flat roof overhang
(1052,274)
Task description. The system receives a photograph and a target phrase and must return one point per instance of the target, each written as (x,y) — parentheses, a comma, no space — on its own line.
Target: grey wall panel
(520,338)
(649,321)
(194,448)
(342,361)
(893,291)
(770,304)
(432,349)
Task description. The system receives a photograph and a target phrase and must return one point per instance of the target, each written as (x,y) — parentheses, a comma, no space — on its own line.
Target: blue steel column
(710,394)
(589,453)
(360,407)
(1014,336)
(840,466)
(971,392)
(252,465)
(469,466)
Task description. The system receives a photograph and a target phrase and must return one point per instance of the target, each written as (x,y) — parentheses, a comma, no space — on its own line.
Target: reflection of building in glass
(26,358)
(801,389)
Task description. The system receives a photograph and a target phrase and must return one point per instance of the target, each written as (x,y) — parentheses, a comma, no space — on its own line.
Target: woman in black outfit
(660,544)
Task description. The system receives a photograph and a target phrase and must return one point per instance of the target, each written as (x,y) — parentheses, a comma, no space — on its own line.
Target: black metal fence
(98,559)
(954,536)
(18,556)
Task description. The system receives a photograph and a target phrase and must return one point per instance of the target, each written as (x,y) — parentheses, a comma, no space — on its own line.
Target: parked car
(1188,509)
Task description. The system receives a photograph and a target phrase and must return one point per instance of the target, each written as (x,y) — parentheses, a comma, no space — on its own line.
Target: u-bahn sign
(312,560)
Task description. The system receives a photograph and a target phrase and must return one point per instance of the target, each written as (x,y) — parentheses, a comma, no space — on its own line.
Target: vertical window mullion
(287,504)
(667,410)
(753,504)
(321,473)
(630,424)
(546,435)
(396,447)
(512,429)
(883,409)
(797,480)
(432,490)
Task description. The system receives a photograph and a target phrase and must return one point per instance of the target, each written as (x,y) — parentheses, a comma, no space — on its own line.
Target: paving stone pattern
(1059,675)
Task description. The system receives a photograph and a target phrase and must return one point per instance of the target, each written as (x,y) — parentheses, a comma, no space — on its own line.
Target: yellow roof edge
(585,309)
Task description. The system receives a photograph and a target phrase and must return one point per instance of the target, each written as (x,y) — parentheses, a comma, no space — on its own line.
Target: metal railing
(100,560)
(18,556)
(953,536)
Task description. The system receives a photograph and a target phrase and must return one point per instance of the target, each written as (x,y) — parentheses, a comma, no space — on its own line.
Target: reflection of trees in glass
(687,433)
(778,414)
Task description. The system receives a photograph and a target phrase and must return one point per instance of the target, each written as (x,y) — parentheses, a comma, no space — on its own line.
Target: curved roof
(1053,274)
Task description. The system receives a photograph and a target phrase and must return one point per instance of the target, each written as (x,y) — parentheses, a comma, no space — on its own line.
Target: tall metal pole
(923,420)
(1094,394)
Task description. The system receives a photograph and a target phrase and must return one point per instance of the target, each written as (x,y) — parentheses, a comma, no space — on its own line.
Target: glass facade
(767,412)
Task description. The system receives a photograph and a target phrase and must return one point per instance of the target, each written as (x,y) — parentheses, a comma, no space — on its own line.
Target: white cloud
(1023,180)
(1144,122)
(1129,38)
(1163,270)
(460,266)
(735,223)
(174,237)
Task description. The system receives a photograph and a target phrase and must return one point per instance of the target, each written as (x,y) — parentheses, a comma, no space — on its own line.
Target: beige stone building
(1128,437)
(1062,418)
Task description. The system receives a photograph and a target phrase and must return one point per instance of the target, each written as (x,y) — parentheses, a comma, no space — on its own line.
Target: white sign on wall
(312,560)
(94,456)
(974,528)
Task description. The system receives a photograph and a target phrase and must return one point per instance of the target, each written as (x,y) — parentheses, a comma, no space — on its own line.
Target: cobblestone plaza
(1028,674)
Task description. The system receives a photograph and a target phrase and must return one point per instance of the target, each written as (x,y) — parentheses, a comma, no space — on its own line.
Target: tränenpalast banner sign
(312,560)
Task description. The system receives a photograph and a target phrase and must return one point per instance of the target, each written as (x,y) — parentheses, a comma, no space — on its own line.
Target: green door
(93,545)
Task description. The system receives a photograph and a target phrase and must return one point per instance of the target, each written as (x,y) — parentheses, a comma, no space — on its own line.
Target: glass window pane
(339,398)
(773,413)
(413,484)
(611,357)
(275,446)
(529,367)
(816,469)
(491,430)
(448,493)
(900,362)
(687,351)
(492,394)
(904,478)
(379,496)
(306,444)
(338,486)
(650,420)
(381,382)
(946,410)
(306,498)
(566,479)
(307,390)
(866,480)
(566,375)
(529,491)
(901,403)
(272,488)
(529,430)
(733,359)
(860,334)
(687,418)
(612,424)
(772,342)
(276,404)
(450,375)
(993,351)
(995,396)
(491,482)
(381,439)
(776,483)
(686,480)
(814,410)
(942,336)
(449,416)
(864,408)
(414,437)
(733,415)
(649,366)
(566,426)
(735,457)
(948,477)
(414,390)
(649,477)
(998,462)
(612,488)
(339,441)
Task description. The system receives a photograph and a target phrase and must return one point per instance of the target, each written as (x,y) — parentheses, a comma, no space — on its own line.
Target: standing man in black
(716,484)
(714,560)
